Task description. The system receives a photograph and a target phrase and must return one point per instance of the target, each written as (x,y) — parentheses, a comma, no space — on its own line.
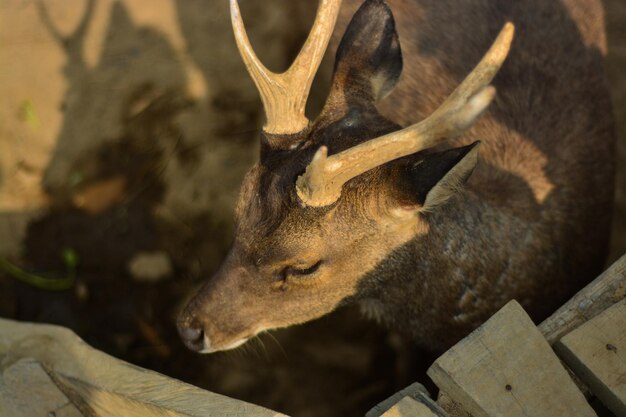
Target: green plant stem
(49,284)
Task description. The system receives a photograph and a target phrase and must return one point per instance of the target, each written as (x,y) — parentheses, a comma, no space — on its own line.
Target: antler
(284,95)
(321,183)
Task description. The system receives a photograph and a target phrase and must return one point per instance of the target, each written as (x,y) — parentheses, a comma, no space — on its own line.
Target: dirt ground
(125,130)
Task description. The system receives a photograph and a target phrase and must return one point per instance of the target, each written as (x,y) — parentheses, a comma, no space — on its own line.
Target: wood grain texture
(102,385)
(450,406)
(604,291)
(408,407)
(26,390)
(596,351)
(416,392)
(506,368)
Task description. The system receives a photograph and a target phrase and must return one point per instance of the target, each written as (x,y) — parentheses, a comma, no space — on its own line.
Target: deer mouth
(197,337)
(208,348)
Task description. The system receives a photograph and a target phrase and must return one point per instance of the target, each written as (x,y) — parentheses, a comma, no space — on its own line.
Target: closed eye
(293,271)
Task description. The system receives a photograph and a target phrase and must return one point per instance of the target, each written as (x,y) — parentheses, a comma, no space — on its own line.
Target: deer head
(330,199)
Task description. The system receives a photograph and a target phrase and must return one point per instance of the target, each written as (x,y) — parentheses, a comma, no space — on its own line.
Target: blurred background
(125,130)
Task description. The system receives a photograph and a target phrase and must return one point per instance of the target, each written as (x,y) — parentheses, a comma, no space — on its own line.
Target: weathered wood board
(408,407)
(596,351)
(27,390)
(603,292)
(507,368)
(453,408)
(398,404)
(99,385)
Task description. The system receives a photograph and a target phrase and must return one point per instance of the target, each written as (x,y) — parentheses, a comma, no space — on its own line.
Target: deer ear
(433,180)
(368,62)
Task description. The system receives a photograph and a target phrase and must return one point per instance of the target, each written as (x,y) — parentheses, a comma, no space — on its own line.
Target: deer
(421,195)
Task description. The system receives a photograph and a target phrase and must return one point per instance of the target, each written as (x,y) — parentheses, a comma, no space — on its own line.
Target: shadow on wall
(136,66)
(132,118)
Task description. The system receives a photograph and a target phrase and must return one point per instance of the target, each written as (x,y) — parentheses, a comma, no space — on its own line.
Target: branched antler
(324,177)
(284,95)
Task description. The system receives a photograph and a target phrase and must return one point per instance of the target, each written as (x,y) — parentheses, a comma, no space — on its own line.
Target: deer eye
(292,271)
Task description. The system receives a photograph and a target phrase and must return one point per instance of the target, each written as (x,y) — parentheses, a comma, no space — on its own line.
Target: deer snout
(220,315)
(192,333)
(204,336)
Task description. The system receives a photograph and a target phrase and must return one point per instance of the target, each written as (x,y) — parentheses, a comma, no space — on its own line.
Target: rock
(150,266)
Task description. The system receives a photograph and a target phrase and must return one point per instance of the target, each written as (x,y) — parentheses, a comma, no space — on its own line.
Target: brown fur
(531,223)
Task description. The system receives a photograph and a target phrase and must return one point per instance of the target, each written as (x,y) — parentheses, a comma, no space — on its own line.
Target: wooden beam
(99,384)
(597,296)
(26,389)
(450,406)
(408,407)
(506,368)
(603,292)
(596,351)
(415,392)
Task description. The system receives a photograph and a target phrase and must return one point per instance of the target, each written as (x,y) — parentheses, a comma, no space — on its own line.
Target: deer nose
(192,334)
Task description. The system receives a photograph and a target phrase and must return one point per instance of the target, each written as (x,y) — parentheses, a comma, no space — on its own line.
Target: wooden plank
(26,390)
(98,383)
(408,407)
(415,392)
(94,401)
(450,406)
(596,351)
(507,368)
(603,292)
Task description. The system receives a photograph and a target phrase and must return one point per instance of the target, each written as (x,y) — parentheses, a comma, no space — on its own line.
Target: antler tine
(324,177)
(284,95)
